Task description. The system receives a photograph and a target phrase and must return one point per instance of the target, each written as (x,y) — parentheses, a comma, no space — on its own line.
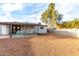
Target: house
(20,28)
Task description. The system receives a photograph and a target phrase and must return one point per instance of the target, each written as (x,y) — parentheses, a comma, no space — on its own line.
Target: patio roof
(21,23)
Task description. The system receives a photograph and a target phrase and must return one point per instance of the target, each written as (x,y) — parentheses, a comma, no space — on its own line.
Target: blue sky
(70,10)
(22,12)
(28,12)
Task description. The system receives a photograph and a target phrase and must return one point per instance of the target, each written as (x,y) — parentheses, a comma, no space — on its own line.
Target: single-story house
(12,28)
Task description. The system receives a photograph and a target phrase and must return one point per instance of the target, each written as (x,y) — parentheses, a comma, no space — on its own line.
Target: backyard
(41,45)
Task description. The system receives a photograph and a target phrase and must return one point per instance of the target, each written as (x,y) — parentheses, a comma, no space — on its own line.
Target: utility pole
(35,18)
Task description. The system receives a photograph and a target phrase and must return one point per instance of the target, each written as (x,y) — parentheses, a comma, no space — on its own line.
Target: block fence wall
(68,32)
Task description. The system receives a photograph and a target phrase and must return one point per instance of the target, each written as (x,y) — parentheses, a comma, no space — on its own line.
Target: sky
(22,12)
(69,11)
(31,11)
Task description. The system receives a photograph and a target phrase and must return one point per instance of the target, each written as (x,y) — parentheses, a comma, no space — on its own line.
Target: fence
(68,32)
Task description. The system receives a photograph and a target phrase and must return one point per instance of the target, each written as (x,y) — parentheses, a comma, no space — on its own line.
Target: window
(23,27)
(41,27)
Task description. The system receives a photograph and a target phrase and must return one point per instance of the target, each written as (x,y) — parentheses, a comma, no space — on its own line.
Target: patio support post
(10,30)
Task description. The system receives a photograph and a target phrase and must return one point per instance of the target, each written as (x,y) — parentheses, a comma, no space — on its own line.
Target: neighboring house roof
(21,23)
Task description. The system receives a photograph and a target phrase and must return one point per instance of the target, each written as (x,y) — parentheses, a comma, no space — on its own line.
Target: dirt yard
(42,45)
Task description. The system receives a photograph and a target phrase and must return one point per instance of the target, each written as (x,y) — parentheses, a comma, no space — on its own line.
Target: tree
(70,24)
(50,16)
(59,18)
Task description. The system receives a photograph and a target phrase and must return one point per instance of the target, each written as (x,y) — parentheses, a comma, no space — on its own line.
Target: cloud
(11,7)
(69,10)
(30,11)
(34,18)
(30,8)
(21,11)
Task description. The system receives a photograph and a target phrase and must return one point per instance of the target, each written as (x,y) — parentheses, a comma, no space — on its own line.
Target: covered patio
(21,28)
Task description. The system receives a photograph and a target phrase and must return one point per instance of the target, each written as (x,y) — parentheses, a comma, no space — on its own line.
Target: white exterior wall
(0,29)
(39,30)
(27,30)
(36,29)
(33,30)
(30,30)
(5,29)
(44,30)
